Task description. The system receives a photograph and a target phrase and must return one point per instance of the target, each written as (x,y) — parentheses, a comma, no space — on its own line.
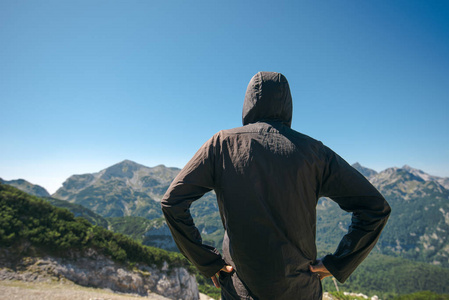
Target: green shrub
(424,295)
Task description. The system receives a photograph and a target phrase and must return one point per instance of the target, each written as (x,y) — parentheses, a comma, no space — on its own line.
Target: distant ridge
(27,187)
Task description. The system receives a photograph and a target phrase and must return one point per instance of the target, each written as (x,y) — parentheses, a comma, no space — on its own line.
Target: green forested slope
(134,227)
(27,218)
(79,211)
(148,232)
(387,276)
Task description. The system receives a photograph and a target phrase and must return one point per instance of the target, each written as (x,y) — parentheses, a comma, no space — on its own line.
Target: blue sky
(86,84)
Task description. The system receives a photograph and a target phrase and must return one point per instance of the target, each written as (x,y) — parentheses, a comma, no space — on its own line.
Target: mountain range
(126,197)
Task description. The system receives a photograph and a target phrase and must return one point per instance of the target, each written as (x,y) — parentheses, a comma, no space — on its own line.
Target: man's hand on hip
(319,269)
(227,269)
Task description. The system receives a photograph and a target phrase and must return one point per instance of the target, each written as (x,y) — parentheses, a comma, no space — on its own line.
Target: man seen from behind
(268,178)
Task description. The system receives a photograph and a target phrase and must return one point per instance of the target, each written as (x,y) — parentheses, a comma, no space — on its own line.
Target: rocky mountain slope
(124,189)
(426,177)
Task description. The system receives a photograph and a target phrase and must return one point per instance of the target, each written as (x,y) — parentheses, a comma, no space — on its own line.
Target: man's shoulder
(251,128)
(304,137)
(265,128)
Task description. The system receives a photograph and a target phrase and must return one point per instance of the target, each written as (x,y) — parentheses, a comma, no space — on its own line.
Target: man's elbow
(385,211)
(381,210)
(387,208)
(166,200)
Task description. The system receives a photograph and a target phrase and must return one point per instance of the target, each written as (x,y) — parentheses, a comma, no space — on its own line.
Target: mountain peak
(427,177)
(123,169)
(129,163)
(411,170)
(408,176)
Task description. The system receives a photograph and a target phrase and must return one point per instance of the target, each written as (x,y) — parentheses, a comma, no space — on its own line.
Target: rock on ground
(91,269)
(14,289)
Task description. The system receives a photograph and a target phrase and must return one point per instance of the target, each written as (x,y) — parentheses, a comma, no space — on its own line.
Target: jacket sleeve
(194,180)
(370,211)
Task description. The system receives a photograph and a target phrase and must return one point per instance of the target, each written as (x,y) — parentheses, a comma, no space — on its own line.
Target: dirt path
(61,291)
(13,289)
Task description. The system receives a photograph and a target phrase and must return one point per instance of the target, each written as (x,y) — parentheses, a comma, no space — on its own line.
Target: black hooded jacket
(268,179)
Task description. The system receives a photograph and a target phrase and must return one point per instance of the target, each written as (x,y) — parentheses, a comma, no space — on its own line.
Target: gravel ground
(12,289)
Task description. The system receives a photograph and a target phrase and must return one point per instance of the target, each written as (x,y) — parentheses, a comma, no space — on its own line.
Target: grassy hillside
(134,227)
(424,295)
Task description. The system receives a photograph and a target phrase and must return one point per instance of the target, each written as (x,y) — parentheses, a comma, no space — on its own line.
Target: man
(268,179)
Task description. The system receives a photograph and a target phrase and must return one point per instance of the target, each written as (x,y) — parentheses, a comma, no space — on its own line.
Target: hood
(268,98)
